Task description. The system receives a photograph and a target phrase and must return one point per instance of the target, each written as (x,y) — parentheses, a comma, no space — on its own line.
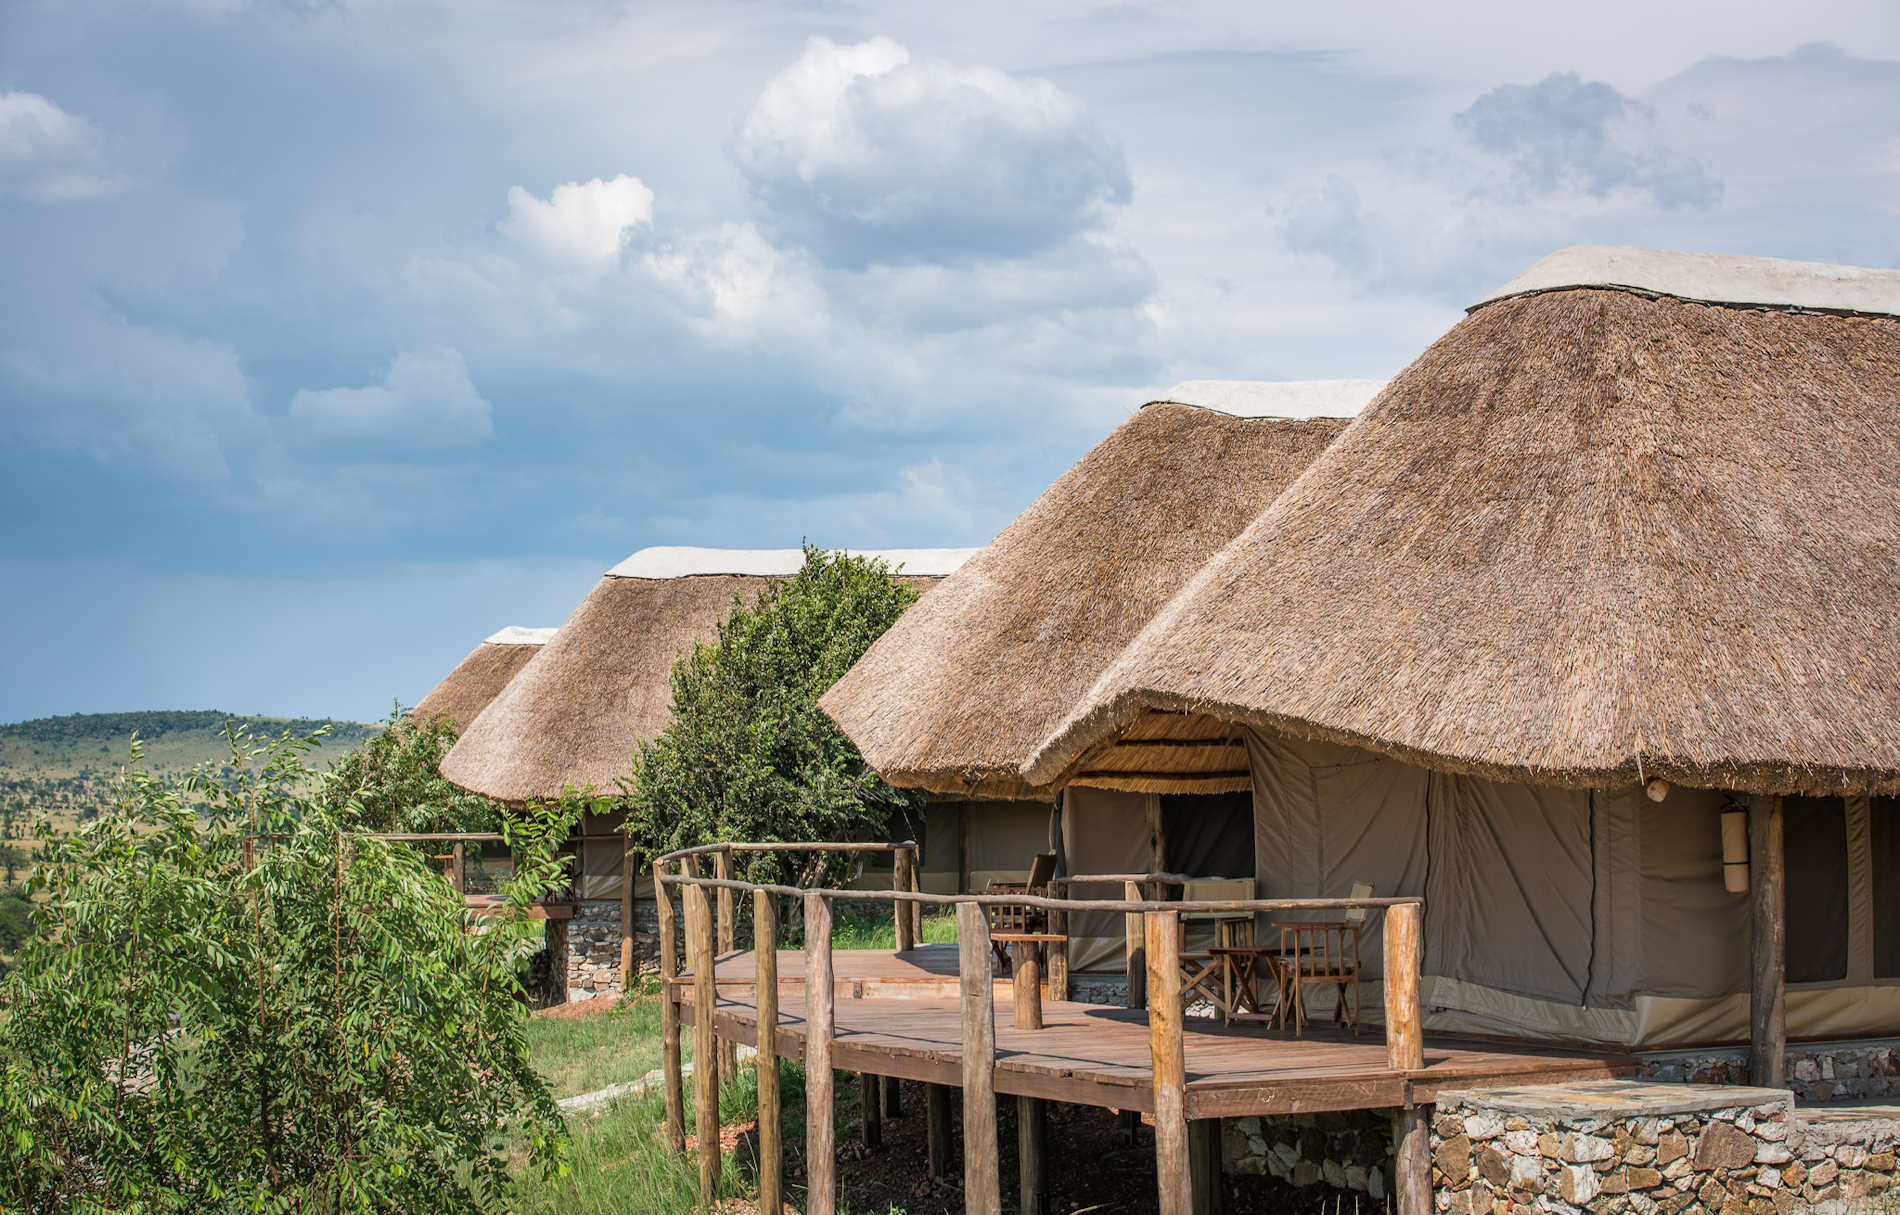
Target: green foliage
(393,782)
(307,1029)
(748,755)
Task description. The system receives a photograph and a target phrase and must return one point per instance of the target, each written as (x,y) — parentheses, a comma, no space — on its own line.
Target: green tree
(748,754)
(241,1007)
(393,782)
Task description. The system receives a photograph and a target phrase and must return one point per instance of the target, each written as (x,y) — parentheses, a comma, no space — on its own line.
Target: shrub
(304,1024)
(393,782)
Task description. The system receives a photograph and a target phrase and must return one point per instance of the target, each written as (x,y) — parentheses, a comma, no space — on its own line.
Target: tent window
(1208,834)
(1884,822)
(1815,835)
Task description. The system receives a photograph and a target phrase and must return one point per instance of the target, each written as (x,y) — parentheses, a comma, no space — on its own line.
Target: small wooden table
(1025,963)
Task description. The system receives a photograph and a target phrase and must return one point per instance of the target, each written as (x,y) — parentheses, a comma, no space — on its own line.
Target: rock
(1375,1183)
(1356,1177)
(1453,1157)
(1850,1155)
(1548,1144)
(1335,1174)
(1521,1141)
(1643,1179)
(1640,1154)
(1616,1181)
(1457,1203)
(1483,1126)
(1823,1174)
(1584,1149)
(1445,1126)
(1712,1195)
(1578,1185)
(1806,1071)
(1492,1168)
(1306,1173)
(1773,1153)
(1526,1171)
(1768,1179)
(1882,1162)
(1723,1147)
(1795,1174)
(1775,1131)
(1671,1147)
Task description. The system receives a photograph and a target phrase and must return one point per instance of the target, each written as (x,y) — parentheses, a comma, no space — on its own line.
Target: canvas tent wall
(1636,518)
(482,674)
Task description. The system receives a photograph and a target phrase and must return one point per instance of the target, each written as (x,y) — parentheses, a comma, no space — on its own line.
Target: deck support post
(1172,1172)
(1404,1032)
(557,960)
(1768,991)
(699,945)
(1032,1165)
(722,869)
(982,1184)
(1025,985)
(1059,950)
(893,1097)
(937,1131)
(821,1160)
(1204,1149)
(674,1082)
(870,1111)
(1135,949)
(903,866)
(765,985)
(1412,1160)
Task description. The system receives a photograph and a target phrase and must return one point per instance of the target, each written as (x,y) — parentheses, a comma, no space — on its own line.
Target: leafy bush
(393,782)
(748,754)
(304,1024)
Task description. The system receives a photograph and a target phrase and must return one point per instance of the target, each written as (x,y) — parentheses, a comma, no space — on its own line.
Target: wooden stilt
(906,924)
(1135,949)
(673,1082)
(1412,1161)
(937,1131)
(821,1159)
(699,944)
(870,1112)
(1204,1152)
(1404,1032)
(1032,1132)
(893,1097)
(722,868)
(1172,1171)
(1025,985)
(765,980)
(1059,953)
(1768,992)
(982,1185)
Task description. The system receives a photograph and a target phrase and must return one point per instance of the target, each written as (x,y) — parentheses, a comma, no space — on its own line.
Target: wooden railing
(709,934)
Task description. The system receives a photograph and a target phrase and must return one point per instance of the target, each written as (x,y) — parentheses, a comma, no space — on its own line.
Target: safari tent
(1613,566)
(480,677)
(958,694)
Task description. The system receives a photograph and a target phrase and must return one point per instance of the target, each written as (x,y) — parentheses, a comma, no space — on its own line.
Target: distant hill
(175,739)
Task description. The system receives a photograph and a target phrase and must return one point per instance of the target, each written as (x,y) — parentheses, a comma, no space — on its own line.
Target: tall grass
(867,932)
(581,1054)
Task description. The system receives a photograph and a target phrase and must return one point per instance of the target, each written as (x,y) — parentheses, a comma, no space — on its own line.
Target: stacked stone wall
(1817,1071)
(1348,1151)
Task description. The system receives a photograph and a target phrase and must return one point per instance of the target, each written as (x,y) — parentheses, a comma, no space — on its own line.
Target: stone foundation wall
(1350,1151)
(1624,1146)
(1817,1071)
(593,949)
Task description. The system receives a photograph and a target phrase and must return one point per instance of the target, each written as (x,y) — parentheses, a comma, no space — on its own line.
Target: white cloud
(425,398)
(867,155)
(48,155)
(584,225)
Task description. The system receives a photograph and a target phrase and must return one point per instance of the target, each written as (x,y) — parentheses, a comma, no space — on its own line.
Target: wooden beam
(1404,1032)
(699,947)
(1025,985)
(870,1112)
(1204,1150)
(1032,1166)
(722,869)
(821,1158)
(1412,1160)
(982,1184)
(1768,992)
(937,1131)
(1143,774)
(901,869)
(765,988)
(670,1015)
(1173,1176)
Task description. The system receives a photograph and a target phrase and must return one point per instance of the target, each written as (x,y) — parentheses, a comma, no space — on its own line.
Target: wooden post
(901,868)
(937,1130)
(1768,993)
(1412,1161)
(916,885)
(870,1112)
(821,1160)
(1204,1149)
(457,878)
(670,1015)
(629,965)
(765,985)
(1032,1166)
(1025,985)
(982,1183)
(1404,1036)
(1059,950)
(699,947)
(556,944)
(1173,1174)
(1134,946)
(722,869)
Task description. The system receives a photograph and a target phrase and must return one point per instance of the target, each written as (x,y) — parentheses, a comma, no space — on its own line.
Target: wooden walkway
(899,1015)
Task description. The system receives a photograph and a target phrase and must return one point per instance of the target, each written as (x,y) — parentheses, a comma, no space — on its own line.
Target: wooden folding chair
(1019,920)
(1209,975)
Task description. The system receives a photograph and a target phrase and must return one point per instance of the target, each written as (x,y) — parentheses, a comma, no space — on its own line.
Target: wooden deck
(898,1015)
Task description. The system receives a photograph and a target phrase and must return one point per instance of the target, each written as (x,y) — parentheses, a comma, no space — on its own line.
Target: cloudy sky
(335,334)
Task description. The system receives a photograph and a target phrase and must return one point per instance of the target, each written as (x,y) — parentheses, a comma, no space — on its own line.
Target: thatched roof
(573,716)
(481,676)
(956,696)
(1593,533)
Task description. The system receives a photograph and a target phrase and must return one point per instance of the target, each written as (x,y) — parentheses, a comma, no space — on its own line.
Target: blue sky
(335,335)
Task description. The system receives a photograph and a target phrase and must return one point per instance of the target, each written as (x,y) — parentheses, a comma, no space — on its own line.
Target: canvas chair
(1323,953)
(1204,974)
(1023,919)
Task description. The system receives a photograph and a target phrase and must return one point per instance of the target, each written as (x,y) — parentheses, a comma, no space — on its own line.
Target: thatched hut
(959,693)
(1614,565)
(480,677)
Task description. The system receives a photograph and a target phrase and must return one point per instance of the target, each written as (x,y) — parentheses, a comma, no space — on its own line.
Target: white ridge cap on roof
(1715,278)
(516,634)
(671,562)
(1292,399)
